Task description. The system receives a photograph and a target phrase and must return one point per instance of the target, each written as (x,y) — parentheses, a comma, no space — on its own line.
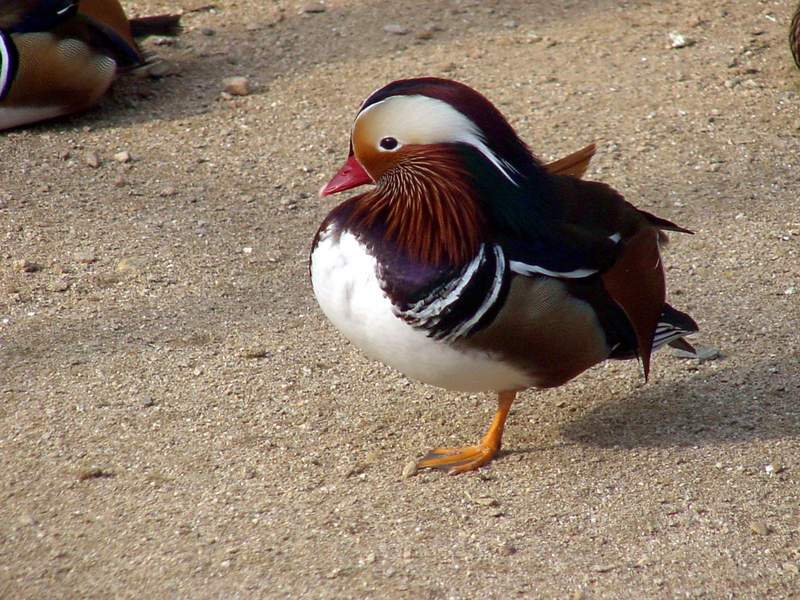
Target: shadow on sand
(728,406)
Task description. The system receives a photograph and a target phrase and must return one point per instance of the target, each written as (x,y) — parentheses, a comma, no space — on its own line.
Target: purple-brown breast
(426,206)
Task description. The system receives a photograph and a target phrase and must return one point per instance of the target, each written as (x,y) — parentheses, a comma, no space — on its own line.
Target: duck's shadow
(728,406)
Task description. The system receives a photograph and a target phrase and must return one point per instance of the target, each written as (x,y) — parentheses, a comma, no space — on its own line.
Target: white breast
(344,278)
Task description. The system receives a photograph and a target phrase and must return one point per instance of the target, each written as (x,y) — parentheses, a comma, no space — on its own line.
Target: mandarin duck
(58,57)
(472,266)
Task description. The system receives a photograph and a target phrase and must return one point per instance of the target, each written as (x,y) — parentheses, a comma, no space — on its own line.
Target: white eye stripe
(417,119)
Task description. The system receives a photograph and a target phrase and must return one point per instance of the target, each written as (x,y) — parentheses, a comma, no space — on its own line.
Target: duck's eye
(388,143)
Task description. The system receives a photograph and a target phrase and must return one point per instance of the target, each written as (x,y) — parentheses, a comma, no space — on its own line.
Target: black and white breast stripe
(9,63)
(668,332)
(464,303)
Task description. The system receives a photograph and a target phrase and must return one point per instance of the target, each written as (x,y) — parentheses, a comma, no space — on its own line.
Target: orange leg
(469,458)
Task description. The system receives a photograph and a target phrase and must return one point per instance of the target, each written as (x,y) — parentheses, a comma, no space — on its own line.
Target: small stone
(678,40)
(27,266)
(120,181)
(167,192)
(410,469)
(790,290)
(510,24)
(122,157)
(507,549)
(486,501)
(701,354)
(236,86)
(86,257)
(62,285)
(93,473)
(791,568)
(208,31)
(163,68)
(255,353)
(130,266)
(759,528)
(773,468)
(90,158)
(148,402)
(707,353)
(27,520)
(603,568)
(395,29)
(423,35)
(313,8)
(247,250)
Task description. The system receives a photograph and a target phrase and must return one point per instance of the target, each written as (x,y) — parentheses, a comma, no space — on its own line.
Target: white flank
(522,268)
(343,275)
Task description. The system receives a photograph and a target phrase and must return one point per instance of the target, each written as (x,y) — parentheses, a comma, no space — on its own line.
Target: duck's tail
(673,326)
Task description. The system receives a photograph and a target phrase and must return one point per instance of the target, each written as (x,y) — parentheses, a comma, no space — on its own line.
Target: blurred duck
(59,57)
(794,36)
(472,266)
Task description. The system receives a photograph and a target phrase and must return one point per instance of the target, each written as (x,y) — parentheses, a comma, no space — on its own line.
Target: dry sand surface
(179,420)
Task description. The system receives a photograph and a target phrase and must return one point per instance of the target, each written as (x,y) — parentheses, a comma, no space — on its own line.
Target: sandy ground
(179,420)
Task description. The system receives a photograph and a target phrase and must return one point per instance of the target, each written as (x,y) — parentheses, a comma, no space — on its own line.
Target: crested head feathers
(464,115)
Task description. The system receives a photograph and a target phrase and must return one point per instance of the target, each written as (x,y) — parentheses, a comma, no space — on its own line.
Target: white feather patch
(522,268)
(488,302)
(343,275)
(421,119)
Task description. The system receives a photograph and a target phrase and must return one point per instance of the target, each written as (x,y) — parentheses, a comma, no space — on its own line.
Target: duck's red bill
(351,175)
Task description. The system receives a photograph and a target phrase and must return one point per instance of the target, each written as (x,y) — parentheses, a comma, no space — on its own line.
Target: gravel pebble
(236,86)
(759,528)
(678,40)
(410,469)
(27,266)
(395,29)
(162,68)
(91,158)
(313,8)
